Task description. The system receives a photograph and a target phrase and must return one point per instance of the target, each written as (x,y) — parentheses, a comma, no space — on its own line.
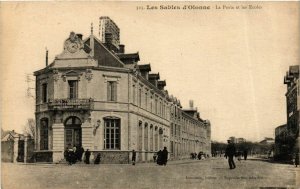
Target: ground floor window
(112,133)
(44,134)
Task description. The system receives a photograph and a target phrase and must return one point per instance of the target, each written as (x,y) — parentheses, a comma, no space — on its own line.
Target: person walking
(230,152)
(245,154)
(159,158)
(133,158)
(79,153)
(97,159)
(296,159)
(87,155)
(165,156)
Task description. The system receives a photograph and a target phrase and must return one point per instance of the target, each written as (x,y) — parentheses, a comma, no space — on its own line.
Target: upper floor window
(133,94)
(44,92)
(140,97)
(73,89)
(112,91)
(146,101)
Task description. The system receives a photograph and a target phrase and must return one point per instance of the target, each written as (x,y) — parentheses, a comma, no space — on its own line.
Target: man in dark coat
(97,159)
(164,156)
(159,158)
(245,154)
(87,156)
(79,153)
(133,158)
(230,152)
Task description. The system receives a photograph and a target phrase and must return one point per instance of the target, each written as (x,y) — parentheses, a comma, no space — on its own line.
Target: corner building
(292,138)
(96,96)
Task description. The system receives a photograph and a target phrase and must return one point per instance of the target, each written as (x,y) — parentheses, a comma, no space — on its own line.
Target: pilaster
(58,141)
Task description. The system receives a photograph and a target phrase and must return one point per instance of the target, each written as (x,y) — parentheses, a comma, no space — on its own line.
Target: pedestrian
(296,159)
(133,158)
(230,152)
(245,154)
(87,155)
(79,153)
(154,157)
(239,156)
(97,159)
(67,155)
(159,158)
(165,156)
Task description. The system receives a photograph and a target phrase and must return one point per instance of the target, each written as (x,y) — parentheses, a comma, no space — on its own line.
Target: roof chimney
(79,35)
(46,57)
(191,104)
(122,49)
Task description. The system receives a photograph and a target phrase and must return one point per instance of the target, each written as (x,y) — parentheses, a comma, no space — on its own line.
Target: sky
(231,63)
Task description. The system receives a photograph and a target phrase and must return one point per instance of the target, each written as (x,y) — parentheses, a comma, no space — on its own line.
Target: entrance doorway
(73,132)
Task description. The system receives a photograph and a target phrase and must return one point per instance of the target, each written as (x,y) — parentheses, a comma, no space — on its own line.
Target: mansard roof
(103,55)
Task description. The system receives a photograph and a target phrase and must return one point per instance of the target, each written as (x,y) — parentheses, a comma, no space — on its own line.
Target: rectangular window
(155,106)
(140,97)
(112,134)
(112,91)
(44,92)
(151,108)
(146,101)
(133,94)
(73,89)
(44,134)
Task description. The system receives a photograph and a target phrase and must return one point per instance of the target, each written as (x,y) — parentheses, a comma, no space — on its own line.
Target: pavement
(209,173)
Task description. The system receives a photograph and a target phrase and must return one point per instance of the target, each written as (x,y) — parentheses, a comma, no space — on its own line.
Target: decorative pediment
(72,75)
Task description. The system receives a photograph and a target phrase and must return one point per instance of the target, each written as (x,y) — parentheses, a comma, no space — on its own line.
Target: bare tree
(29,128)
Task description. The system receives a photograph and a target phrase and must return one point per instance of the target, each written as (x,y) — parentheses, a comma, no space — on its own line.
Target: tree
(29,128)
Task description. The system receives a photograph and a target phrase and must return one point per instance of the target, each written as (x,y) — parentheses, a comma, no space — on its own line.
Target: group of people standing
(161,157)
(75,154)
(72,155)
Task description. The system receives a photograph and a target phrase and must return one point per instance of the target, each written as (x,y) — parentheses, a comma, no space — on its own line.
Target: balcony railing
(76,104)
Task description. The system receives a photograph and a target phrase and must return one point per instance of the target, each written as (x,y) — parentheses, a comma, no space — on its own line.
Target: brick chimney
(122,49)
(79,35)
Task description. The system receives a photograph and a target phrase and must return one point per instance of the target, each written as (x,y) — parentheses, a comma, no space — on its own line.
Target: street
(209,173)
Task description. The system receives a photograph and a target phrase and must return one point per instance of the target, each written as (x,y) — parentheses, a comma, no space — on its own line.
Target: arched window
(44,134)
(112,133)
(146,137)
(151,137)
(156,139)
(140,136)
(73,132)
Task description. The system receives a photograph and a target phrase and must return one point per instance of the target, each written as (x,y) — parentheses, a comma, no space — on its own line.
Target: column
(58,141)
(16,149)
(143,148)
(87,135)
(25,148)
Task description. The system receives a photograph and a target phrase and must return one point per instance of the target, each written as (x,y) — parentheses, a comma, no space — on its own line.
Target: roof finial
(92,28)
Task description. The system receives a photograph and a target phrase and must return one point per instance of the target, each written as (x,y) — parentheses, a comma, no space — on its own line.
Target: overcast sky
(230,62)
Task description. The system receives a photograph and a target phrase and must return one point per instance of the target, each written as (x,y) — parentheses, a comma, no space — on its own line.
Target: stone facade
(102,100)
(291,137)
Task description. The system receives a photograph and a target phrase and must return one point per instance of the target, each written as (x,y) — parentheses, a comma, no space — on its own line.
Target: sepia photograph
(149,94)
